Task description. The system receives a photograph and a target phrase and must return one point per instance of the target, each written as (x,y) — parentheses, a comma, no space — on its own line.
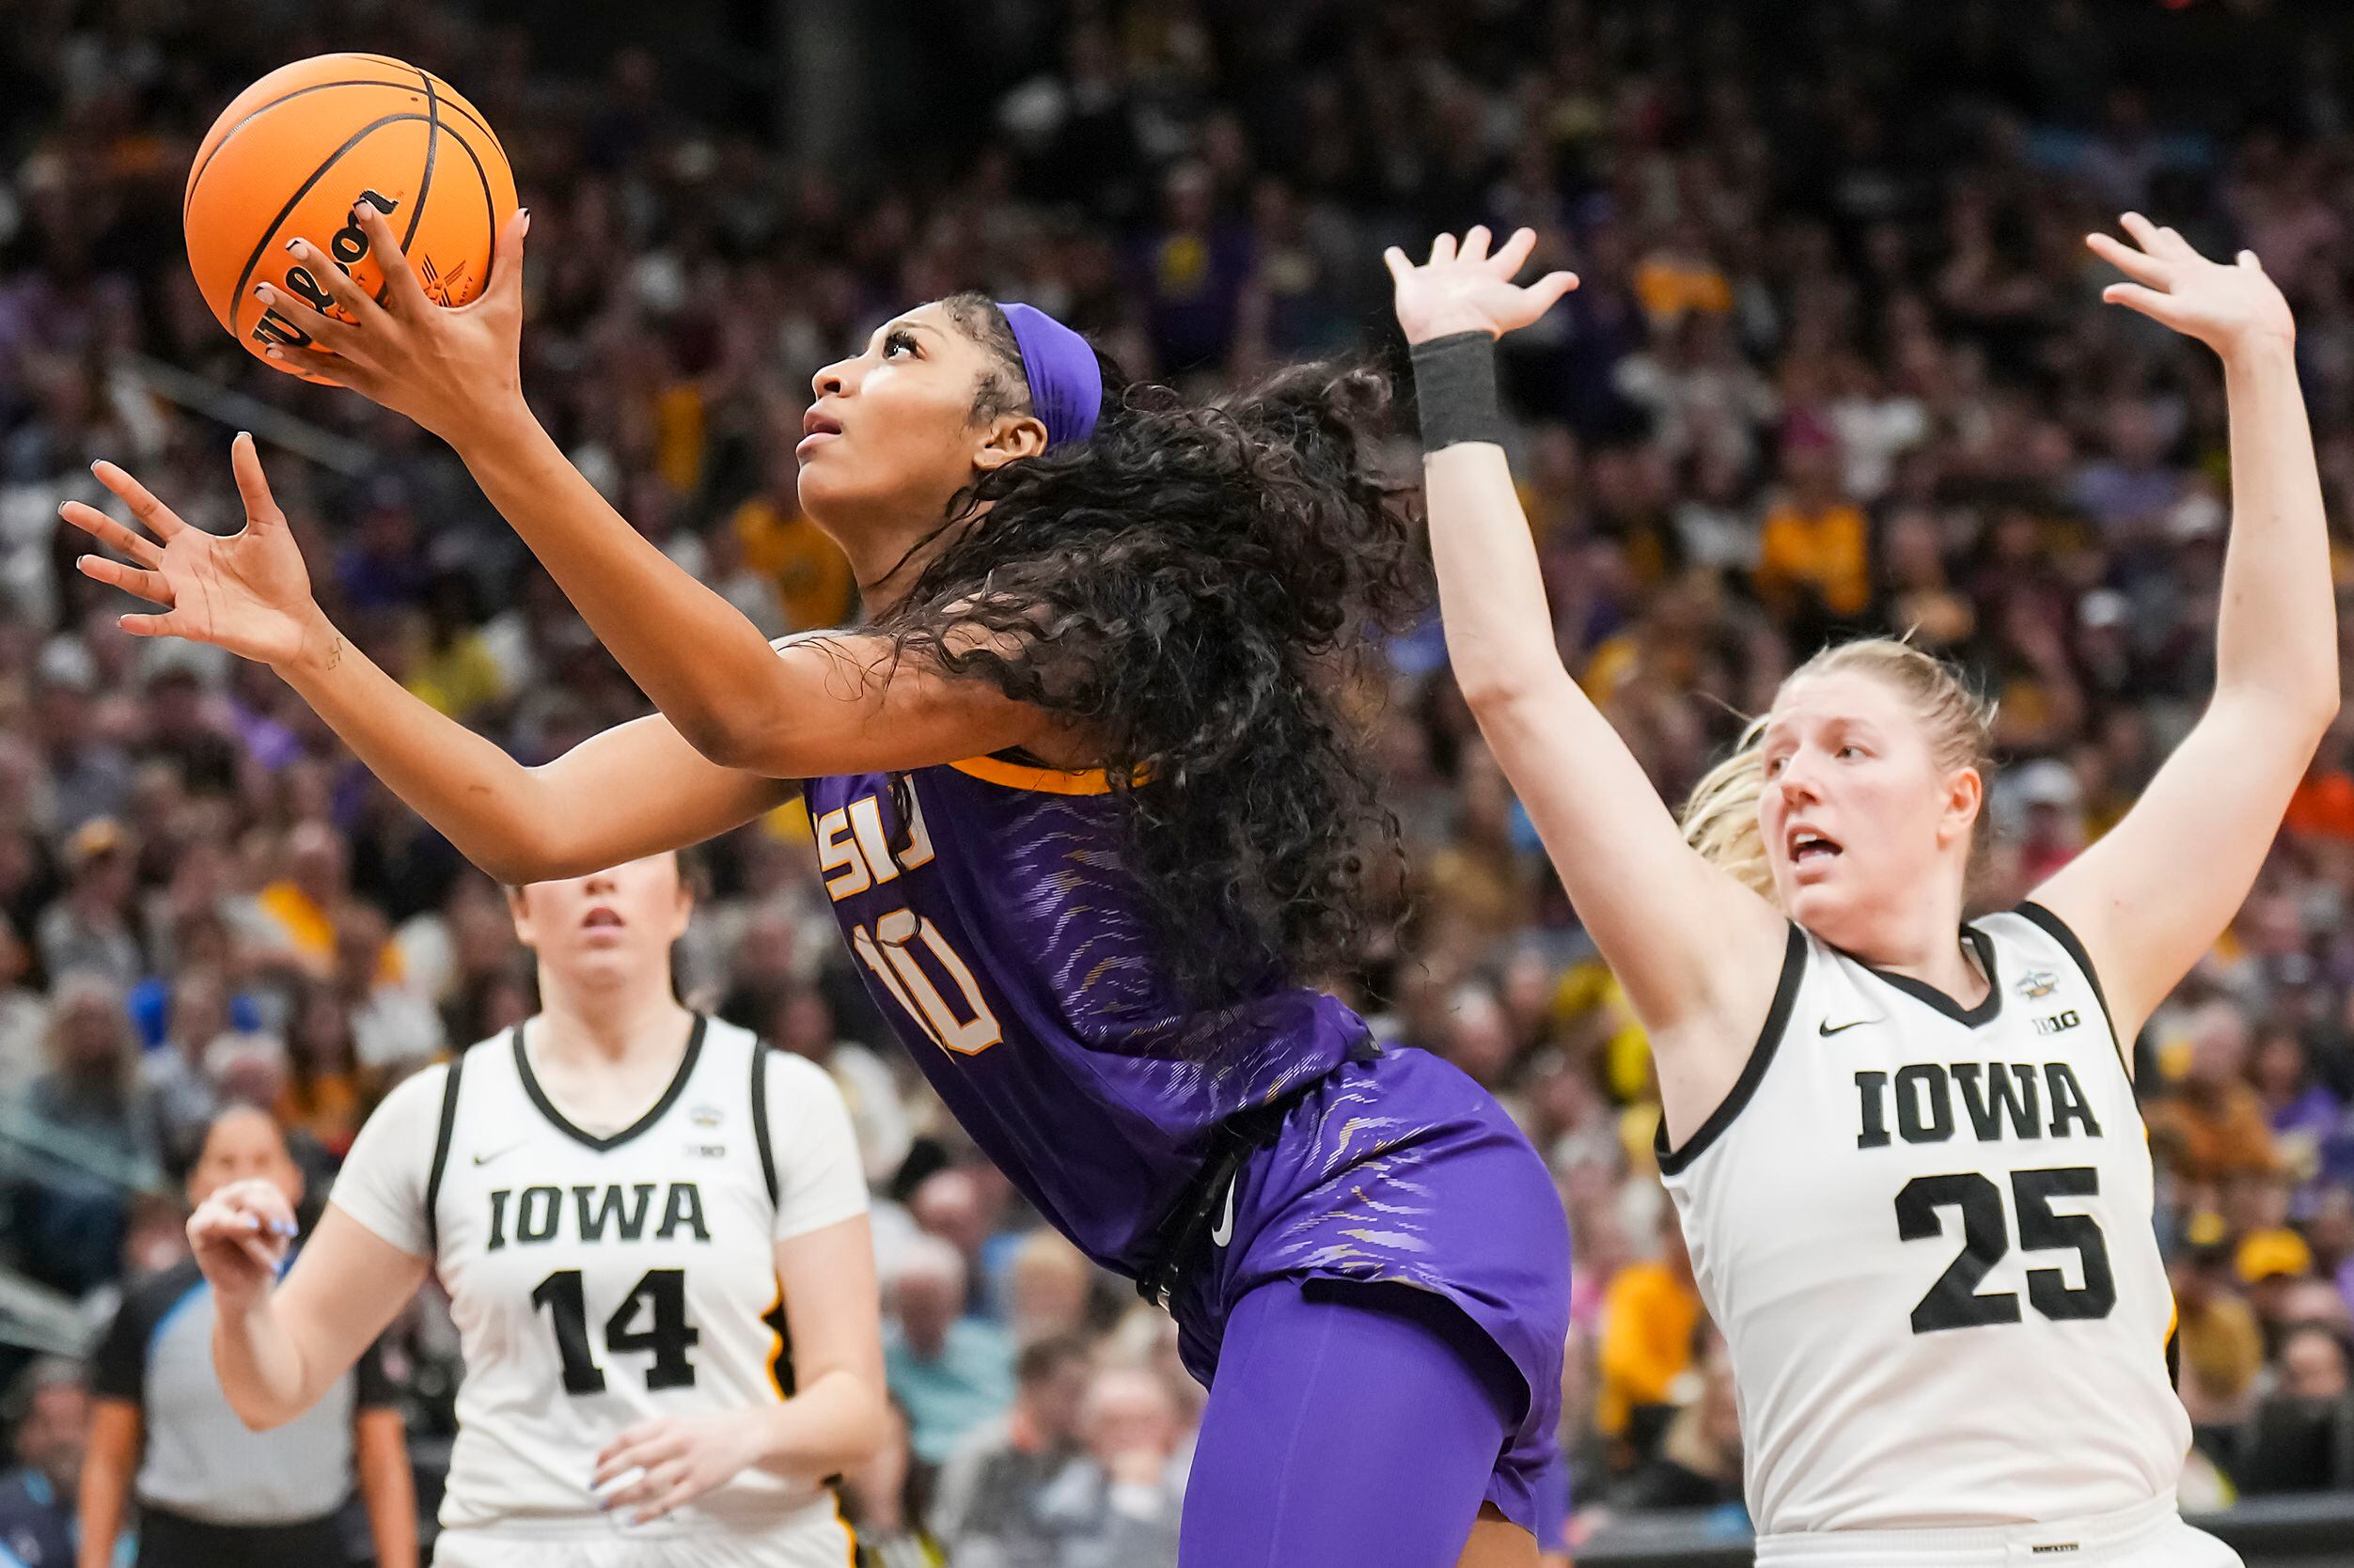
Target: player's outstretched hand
(455,370)
(1464,289)
(2228,307)
(664,1463)
(240,1236)
(248,592)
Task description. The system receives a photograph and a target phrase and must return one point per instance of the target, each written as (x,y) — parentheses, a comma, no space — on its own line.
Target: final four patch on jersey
(711,1116)
(2038,982)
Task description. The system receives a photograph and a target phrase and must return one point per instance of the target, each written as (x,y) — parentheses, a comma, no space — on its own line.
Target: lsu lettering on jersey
(1926,1233)
(599,1281)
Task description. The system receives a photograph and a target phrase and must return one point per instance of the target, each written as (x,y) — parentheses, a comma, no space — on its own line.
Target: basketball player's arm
(815,707)
(631,791)
(110,1458)
(2152,896)
(834,1421)
(1698,952)
(279,1351)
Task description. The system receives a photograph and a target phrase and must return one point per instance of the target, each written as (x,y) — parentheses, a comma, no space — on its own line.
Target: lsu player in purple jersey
(1086,807)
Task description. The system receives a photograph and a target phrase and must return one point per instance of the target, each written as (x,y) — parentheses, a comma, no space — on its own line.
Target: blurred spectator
(2302,1439)
(880,1498)
(49,1413)
(950,1371)
(1650,1314)
(803,1024)
(212,1492)
(1116,1505)
(89,928)
(24,1016)
(987,1508)
(1050,1287)
(100,1134)
(1698,1462)
(2214,1121)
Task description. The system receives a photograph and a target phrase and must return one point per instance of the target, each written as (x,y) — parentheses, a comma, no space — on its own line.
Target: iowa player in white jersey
(653,1234)
(1905,1147)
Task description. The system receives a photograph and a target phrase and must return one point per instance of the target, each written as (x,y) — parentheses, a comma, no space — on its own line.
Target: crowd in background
(1838,364)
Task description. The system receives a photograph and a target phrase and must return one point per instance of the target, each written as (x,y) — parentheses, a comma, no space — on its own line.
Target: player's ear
(1964,793)
(519,909)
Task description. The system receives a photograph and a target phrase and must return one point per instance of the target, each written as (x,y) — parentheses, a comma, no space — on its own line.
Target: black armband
(1454,390)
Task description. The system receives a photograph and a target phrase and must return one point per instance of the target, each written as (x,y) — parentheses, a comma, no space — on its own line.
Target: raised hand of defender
(1464,289)
(2226,307)
(453,369)
(239,1236)
(248,592)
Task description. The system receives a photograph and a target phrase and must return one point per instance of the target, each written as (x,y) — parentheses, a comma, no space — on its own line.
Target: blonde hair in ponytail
(1720,818)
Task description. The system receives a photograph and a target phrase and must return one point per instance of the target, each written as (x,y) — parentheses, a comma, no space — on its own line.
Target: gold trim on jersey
(1022,775)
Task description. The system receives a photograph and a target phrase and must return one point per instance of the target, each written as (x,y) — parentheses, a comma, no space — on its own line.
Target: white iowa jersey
(1926,1233)
(600,1281)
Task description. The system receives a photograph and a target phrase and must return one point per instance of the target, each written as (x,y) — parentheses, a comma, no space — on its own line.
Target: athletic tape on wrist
(1454,390)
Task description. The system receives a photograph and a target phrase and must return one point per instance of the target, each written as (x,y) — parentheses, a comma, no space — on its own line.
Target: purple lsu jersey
(995,929)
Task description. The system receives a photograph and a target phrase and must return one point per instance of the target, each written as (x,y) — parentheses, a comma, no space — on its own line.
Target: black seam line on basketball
(425,180)
(237,298)
(259,110)
(489,206)
(424,184)
(660,1109)
(1793,959)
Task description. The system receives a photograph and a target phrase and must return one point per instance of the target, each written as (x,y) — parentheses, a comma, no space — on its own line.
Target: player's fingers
(2143,231)
(1512,254)
(328,276)
(654,1482)
(154,626)
(686,1492)
(1395,261)
(110,533)
(161,520)
(265,1256)
(2149,302)
(2248,259)
(1442,249)
(2136,265)
(313,324)
(330,369)
(505,283)
(149,585)
(1548,289)
(1475,240)
(403,296)
(253,485)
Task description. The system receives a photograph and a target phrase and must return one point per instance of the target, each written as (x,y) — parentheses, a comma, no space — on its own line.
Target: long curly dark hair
(1191,588)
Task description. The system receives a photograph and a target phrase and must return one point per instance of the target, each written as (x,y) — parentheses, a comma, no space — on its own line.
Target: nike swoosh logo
(1224,1231)
(496,1155)
(1826,1027)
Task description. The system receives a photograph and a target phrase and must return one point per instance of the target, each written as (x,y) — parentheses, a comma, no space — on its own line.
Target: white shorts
(2150,1536)
(815,1538)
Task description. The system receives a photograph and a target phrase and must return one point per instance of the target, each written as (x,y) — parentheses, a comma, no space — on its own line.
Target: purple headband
(1066,384)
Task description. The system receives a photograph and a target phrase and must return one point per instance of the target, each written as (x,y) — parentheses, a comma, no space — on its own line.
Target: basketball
(293,155)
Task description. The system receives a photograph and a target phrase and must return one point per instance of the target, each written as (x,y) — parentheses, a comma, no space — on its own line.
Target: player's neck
(604,1027)
(1929,950)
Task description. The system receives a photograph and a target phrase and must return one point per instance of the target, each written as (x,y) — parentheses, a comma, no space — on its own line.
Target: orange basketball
(293,155)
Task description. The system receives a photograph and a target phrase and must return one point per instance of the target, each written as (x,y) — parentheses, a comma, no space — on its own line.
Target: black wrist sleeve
(1454,389)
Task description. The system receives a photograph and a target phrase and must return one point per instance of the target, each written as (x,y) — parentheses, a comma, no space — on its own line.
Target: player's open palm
(2228,307)
(1464,289)
(248,592)
(240,1236)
